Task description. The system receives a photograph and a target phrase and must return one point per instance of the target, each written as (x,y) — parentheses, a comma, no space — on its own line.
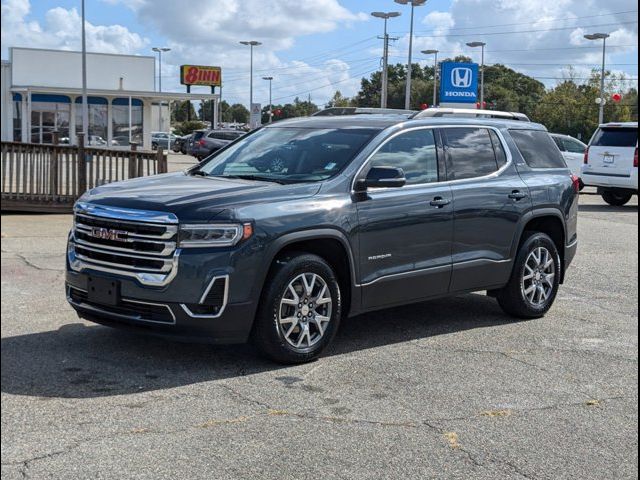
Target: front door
(405,233)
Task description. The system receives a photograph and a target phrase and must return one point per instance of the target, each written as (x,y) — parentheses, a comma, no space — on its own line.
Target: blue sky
(318,46)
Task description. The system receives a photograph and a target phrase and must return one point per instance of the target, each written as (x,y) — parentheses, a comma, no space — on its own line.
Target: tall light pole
(414,4)
(159,51)
(85,104)
(251,44)
(270,80)
(385,56)
(435,73)
(482,45)
(603,37)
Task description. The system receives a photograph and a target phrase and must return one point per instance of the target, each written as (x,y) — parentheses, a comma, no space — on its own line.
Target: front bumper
(176,308)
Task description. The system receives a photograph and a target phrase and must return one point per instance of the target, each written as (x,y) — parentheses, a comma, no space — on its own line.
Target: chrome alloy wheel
(305,310)
(538,277)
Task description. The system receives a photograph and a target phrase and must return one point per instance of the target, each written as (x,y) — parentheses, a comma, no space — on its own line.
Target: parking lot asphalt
(447,389)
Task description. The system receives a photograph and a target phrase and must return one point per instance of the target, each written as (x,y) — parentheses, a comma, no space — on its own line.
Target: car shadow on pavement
(79,361)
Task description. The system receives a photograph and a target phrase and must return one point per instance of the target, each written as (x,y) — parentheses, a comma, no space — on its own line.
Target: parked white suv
(611,162)
(573,151)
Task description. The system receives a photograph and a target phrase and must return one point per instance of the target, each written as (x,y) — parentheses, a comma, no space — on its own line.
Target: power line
(479,34)
(326,86)
(536,22)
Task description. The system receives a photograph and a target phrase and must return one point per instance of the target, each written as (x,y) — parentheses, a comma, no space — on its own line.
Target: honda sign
(459,82)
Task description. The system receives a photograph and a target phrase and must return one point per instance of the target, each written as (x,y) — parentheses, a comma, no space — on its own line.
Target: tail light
(635,158)
(200,142)
(586,156)
(576,183)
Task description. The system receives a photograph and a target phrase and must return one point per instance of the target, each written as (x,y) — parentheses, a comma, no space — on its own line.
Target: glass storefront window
(98,120)
(49,113)
(120,121)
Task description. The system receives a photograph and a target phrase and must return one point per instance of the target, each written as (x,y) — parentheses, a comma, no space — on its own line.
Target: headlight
(213,235)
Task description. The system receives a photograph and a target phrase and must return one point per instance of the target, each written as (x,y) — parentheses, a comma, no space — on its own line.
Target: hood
(193,198)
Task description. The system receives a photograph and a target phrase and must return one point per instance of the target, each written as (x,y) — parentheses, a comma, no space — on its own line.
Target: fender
(537,213)
(314,234)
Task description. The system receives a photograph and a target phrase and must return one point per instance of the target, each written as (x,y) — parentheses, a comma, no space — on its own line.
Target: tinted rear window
(197,135)
(615,137)
(538,149)
(469,153)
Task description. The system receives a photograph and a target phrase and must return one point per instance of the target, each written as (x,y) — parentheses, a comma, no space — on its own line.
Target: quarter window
(469,153)
(501,155)
(573,146)
(537,149)
(414,152)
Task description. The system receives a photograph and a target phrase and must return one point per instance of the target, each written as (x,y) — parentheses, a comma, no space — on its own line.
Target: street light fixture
(251,44)
(270,80)
(385,56)
(482,45)
(435,73)
(603,37)
(414,4)
(159,51)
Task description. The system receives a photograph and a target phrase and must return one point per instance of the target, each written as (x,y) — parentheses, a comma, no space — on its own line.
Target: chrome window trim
(150,217)
(497,173)
(95,308)
(225,299)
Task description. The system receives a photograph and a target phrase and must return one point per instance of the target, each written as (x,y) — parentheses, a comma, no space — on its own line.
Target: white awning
(153,96)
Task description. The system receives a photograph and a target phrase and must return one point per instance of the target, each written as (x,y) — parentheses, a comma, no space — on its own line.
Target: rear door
(611,151)
(489,198)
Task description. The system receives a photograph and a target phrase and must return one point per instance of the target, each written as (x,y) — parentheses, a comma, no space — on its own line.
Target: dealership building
(41,92)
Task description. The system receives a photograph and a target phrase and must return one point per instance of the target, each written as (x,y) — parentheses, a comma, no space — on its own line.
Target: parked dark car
(180,144)
(204,142)
(301,223)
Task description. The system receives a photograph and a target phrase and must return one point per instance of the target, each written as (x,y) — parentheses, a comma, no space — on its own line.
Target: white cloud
(61,29)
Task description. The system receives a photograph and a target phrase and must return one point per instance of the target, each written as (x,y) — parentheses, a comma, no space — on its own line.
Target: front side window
(289,154)
(470,153)
(414,152)
(537,149)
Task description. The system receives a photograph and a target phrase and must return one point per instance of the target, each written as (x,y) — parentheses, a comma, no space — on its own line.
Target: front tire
(535,279)
(300,310)
(616,199)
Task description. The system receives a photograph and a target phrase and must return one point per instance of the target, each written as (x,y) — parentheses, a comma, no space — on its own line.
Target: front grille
(134,248)
(150,312)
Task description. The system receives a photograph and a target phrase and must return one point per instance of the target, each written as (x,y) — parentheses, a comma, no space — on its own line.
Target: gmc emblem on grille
(109,234)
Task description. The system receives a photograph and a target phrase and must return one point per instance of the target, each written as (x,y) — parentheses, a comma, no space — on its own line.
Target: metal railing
(51,177)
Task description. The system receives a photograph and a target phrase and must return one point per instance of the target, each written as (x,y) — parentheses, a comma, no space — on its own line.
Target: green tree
(185,128)
(338,100)
(182,111)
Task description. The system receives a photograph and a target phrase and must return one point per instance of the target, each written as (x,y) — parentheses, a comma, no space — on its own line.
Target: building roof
(116,93)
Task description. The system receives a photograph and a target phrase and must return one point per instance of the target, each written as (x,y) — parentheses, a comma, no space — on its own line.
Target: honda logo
(461,77)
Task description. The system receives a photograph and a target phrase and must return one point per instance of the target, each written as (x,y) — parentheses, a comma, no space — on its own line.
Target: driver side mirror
(382,177)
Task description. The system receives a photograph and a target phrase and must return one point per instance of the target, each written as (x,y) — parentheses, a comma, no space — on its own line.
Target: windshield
(289,155)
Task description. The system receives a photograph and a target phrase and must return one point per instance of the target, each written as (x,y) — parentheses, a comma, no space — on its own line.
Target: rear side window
(615,137)
(537,149)
(469,153)
(501,155)
(197,135)
(414,152)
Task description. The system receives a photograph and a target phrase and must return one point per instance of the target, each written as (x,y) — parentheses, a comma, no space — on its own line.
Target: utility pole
(435,74)
(385,56)
(251,44)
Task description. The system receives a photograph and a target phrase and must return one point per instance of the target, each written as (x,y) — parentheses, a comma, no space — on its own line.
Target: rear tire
(616,199)
(535,279)
(290,327)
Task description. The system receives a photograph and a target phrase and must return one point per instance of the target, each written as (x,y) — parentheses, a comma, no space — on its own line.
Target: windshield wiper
(199,173)
(257,178)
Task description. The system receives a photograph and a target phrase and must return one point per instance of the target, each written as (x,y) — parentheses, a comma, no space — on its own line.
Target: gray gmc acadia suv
(282,233)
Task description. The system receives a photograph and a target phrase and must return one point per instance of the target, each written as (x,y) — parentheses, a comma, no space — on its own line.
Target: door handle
(517,195)
(439,202)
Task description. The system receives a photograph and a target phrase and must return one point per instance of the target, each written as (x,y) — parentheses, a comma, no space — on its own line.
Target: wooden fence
(49,178)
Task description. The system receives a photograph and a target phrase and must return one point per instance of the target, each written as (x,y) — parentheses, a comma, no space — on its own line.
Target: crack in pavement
(29,263)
